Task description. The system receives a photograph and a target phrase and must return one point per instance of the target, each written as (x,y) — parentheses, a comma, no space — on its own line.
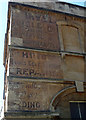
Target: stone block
(73,67)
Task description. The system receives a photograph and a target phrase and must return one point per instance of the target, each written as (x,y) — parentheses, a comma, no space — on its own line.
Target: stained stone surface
(44,57)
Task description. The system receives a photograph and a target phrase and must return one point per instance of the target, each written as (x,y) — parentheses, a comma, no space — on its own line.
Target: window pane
(74,111)
(83,110)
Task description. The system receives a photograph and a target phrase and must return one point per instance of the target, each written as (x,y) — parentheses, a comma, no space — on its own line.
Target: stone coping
(30,114)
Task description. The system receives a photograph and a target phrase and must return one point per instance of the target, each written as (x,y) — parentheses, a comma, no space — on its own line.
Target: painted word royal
(37,29)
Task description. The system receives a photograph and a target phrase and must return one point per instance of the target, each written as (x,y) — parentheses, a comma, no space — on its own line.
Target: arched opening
(61,102)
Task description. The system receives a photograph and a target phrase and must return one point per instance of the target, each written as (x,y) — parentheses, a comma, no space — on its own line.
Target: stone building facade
(44,59)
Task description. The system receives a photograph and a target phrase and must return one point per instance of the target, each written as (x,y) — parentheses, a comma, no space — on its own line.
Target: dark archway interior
(61,103)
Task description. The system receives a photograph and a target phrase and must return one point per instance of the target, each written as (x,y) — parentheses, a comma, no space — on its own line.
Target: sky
(3,20)
(3,26)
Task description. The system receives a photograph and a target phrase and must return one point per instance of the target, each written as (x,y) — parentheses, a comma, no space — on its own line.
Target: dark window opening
(78,110)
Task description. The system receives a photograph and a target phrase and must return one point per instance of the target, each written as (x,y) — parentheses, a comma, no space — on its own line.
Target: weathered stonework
(30,96)
(55,5)
(44,59)
(35,64)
